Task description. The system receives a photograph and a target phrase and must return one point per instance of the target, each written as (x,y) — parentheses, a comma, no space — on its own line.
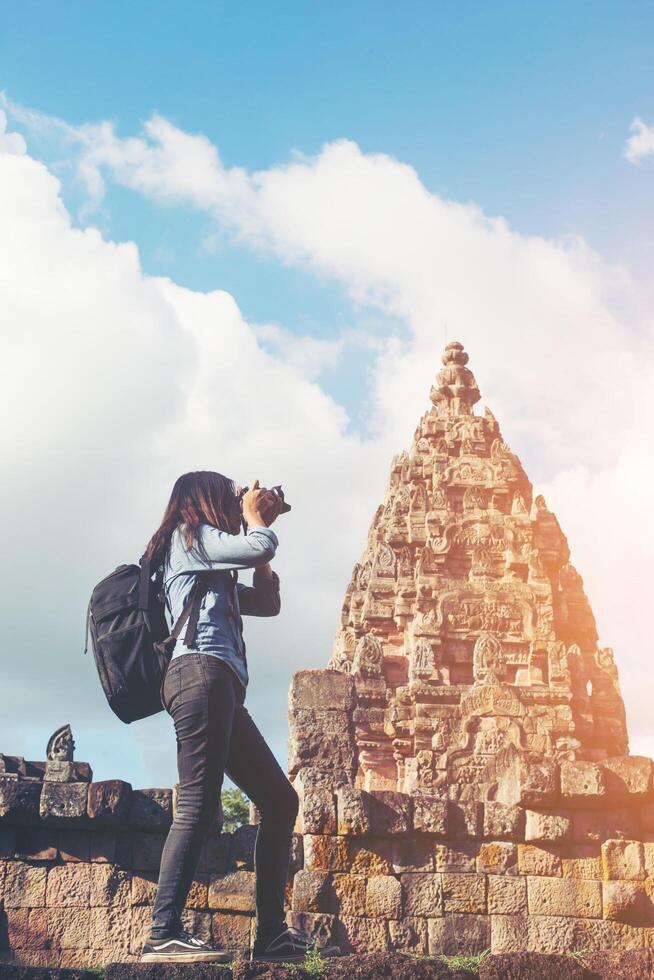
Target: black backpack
(131,642)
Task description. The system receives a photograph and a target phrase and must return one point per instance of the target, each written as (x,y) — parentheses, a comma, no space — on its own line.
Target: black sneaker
(290,946)
(182,947)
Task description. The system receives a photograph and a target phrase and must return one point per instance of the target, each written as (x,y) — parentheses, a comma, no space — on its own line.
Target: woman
(203,691)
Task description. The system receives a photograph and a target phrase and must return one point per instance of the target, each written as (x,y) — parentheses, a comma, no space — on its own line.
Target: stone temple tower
(462,762)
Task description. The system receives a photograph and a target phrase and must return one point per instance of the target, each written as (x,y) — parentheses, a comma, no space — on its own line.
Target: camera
(277,490)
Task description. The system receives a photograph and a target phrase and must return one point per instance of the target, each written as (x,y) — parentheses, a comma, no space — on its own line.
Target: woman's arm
(262,597)
(227,551)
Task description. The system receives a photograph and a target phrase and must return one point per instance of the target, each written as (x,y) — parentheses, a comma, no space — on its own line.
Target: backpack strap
(191,611)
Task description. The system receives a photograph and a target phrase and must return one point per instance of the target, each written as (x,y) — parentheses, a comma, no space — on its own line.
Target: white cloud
(640,144)
(558,352)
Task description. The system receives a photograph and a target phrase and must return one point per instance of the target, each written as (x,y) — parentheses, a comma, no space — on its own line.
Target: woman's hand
(260,506)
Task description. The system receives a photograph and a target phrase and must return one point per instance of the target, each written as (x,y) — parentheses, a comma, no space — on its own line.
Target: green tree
(236,809)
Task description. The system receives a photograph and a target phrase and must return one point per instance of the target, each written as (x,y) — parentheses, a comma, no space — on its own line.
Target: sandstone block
(19,801)
(582,782)
(7,843)
(384,897)
(316,790)
(502,822)
(102,847)
(313,892)
(231,931)
(69,927)
(627,901)
(320,927)
(350,893)
(408,935)
(25,928)
(508,933)
(325,853)
(63,802)
(646,816)
(460,858)
(456,934)
(535,860)
(150,809)
(296,858)
(498,857)
(581,861)
(323,739)
(233,892)
(68,884)
(560,934)
(109,885)
(623,860)
(430,815)
(465,820)
(110,928)
(143,887)
(528,784)
(353,811)
(320,689)
(507,895)
(199,923)
(464,893)
(27,956)
(36,843)
(359,934)
(390,813)
(24,885)
(108,802)
(623,823)
(547,826)
(243,842)
(216,854)
(422,895)
(73,845)
(564,896)
(146,850)
(413,854)
(373,856)
(588,827)
(628,778)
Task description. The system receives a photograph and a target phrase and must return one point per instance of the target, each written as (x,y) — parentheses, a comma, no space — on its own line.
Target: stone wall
(78,870)
(562,859)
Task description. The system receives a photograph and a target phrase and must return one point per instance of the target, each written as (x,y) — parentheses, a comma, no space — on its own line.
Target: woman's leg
(254,769)
(201,697)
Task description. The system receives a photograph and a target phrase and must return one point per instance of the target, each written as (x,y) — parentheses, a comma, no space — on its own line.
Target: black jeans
(215,734)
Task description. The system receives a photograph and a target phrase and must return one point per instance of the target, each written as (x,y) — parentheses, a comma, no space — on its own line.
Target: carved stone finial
(456,390)
(59,753)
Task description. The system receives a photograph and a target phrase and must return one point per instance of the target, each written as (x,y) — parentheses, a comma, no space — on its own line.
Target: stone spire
(465,626)
(456,391)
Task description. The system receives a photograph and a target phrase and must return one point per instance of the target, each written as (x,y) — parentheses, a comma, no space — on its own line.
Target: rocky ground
(610,965)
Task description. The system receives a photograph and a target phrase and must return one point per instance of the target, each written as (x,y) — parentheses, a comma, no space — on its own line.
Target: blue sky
(519,110)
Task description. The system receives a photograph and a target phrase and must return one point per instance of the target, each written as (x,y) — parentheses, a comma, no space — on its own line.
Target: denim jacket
(219,629)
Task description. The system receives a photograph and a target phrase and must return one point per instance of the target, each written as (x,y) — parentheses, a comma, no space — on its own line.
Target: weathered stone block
(422,894)
(408,935)
(623,860)
(508,933)
(313,892)
(146,850)
(110,929)
(69,927)
(390,813)
(350,892)
(141,921)
(26,928)
(547,826)
(7,842)
(588,827)
(353,811)
(319,927)
(628,778)
(24,885)
(498,857)
(231,931)
(233,892)
(316,790)
(582,783)
(102,847)
(623,823)
(460,858)
(323,739)
(535,860)
(564,896)
(19,801)
(68,884)
(465,820)
(358,934)
(413,854)
(507,895)
(150,809)
(581,861)
(456,934)
(529,784)
(320,689)
(244,840)
(464,893)
(216,854)
(108,802)
(384,897)
(502,822)
(373,856)
(430,815)
(109,885)
(36,843)
(73,845)
(296,857)
(325,853)
(64,802)
(199,923)
(627,901)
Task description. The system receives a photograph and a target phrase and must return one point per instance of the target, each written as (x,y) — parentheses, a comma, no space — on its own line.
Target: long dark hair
(201,497)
